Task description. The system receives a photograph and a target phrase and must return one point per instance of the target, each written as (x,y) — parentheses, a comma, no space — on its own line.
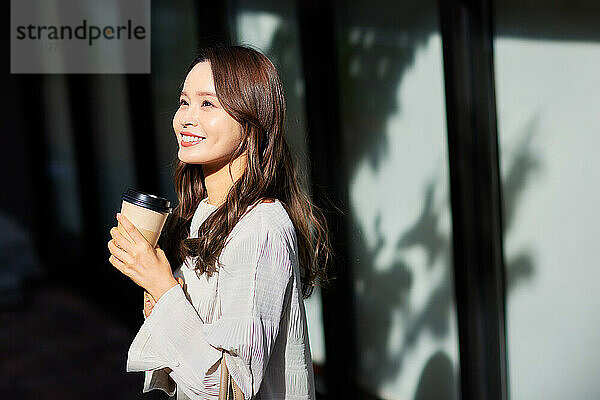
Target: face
(205,132)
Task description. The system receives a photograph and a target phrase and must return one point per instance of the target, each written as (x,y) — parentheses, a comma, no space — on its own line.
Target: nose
(189,118)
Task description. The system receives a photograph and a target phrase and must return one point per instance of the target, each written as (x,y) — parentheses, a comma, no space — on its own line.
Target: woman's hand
(149,301)
(148,267)
(148,304)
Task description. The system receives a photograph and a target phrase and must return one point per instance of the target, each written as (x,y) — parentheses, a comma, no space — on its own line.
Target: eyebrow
(200,93)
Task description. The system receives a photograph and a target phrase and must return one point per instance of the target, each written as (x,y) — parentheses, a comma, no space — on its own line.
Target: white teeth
(191,138)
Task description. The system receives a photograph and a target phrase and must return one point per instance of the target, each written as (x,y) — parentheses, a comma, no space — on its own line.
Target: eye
(206,101)
(181,102)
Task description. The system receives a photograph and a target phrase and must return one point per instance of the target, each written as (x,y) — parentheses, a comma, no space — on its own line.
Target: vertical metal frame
(467,36)
(81,102)
(319,49)
(91,246)
(141,111)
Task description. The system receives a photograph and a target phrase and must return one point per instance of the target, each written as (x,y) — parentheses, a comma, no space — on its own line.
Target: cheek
(235,135)
(215,122)
(234,129)
(225,128)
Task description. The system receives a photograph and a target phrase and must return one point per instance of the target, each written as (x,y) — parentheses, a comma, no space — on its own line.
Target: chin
(187,160)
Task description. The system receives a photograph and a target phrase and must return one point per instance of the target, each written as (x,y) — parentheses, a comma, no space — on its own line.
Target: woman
(248,244)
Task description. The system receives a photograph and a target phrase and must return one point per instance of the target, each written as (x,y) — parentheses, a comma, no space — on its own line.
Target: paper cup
(147,212)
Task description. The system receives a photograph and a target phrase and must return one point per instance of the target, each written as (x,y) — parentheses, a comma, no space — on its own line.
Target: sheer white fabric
(252,308)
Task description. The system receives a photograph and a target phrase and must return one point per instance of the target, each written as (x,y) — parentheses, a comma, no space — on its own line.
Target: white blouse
(252,307)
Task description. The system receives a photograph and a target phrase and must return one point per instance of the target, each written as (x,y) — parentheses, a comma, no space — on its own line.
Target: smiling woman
(245,243)
(202,119)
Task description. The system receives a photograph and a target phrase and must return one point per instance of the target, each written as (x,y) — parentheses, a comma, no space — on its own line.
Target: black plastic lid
(147,200)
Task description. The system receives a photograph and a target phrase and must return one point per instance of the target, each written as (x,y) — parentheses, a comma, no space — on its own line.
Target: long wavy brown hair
(250,90)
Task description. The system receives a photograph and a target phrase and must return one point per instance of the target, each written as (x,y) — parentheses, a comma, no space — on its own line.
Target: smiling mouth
(189,140)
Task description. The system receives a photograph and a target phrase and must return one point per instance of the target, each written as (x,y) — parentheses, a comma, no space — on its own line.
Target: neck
(218,181)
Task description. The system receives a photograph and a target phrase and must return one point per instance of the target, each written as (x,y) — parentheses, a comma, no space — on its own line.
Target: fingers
(148,299)
(121,241)
(118,264)
(149,303)
(118,252)
(148,309)
(133,232)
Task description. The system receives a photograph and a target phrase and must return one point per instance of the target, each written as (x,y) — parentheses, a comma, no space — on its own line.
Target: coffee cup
(147,212)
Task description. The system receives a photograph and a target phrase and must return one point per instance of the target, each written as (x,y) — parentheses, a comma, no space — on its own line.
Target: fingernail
(118,215)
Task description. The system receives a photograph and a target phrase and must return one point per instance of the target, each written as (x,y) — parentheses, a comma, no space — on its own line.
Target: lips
(191,139)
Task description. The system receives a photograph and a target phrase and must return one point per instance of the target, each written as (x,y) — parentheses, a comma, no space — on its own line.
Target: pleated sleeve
(158,378)
(254,285)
